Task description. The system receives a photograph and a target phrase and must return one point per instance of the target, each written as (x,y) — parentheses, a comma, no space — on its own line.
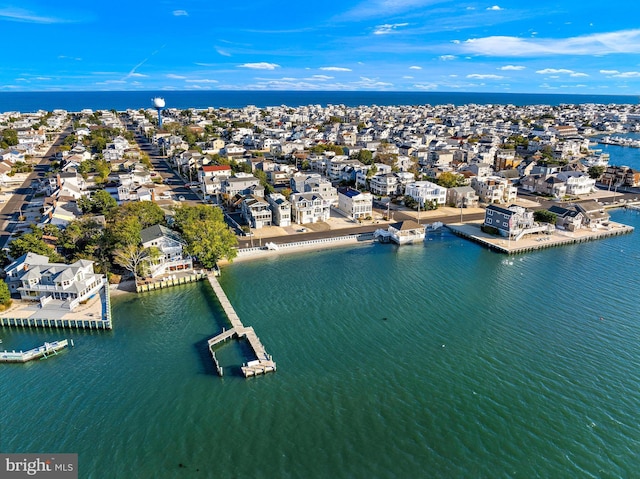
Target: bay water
(442,359)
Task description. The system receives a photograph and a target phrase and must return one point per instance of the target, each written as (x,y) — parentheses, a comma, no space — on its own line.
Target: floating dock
(41,352)
(263,363)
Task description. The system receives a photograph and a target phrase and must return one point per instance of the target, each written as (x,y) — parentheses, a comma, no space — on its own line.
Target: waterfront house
(256,211)
(569,219)
(309,208)
(594,213)
(54,285)
(354,203)
(170,245)
(425,191)
(509,222)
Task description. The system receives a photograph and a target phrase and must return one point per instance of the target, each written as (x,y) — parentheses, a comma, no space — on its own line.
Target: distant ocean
(123,100)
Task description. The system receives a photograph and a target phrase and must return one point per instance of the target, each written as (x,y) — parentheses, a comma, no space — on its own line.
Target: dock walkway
(264,362)
(44,351)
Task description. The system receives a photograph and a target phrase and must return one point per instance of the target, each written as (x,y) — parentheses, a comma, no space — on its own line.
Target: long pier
(263,363)
(44,351)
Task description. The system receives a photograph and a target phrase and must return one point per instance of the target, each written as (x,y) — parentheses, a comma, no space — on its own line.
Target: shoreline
(248,254)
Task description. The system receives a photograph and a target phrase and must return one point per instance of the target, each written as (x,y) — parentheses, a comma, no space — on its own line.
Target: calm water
(485,366)
(122,100)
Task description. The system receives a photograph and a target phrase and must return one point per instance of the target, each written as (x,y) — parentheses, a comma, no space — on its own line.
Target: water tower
(158,104)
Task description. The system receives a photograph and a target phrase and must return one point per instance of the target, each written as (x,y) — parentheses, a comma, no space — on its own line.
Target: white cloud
(560,71)
(446,58)
(222,52)
(176,77)
(180,13)
(21,15)
(321,77)
(366,82)
(388,28)
(415,67)
(137,75)
(203,80)
(335,69)
(618,74)
(478,76)
(495,8)
(407,77)
(426,86)
(512,68)
(456,42)
(623,41)
(260,66)
(384,8)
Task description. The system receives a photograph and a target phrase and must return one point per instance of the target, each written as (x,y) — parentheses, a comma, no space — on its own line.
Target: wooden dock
(41,352)
(263,363)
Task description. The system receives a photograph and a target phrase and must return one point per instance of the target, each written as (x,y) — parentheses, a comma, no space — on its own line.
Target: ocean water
(440,360)
(122,100)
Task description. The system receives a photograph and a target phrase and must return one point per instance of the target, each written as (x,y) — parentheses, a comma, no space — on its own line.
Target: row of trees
(202,227)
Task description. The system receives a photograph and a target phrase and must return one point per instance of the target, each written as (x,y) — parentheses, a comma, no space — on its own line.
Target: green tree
(450,180)
(207,236)
(595,172)
(123,232)
(5,295)
(32,243)
(100,202)
(364,156)
(264,181)
(545,216)
(147,212)
(9,137)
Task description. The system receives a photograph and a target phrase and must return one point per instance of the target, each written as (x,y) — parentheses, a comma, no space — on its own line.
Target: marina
(263,363)
(41,352)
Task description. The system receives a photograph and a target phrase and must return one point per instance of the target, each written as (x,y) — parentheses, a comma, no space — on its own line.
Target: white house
(577,183)
(172,258)
(280,209)
(494,189)
(59,284)
(355,204)
(309,208)
(423,191)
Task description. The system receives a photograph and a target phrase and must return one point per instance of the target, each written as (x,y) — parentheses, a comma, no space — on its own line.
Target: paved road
(23,194)
(163,168)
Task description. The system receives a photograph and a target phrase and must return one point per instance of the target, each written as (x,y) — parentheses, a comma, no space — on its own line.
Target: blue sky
(402,45)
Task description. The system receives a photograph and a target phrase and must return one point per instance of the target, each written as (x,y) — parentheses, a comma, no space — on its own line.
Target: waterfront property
(170,245)
(403,232)
(53,285)
(473,232)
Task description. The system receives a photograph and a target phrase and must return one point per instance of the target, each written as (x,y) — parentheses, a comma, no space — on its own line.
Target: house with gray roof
(170,244)
(55,284)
